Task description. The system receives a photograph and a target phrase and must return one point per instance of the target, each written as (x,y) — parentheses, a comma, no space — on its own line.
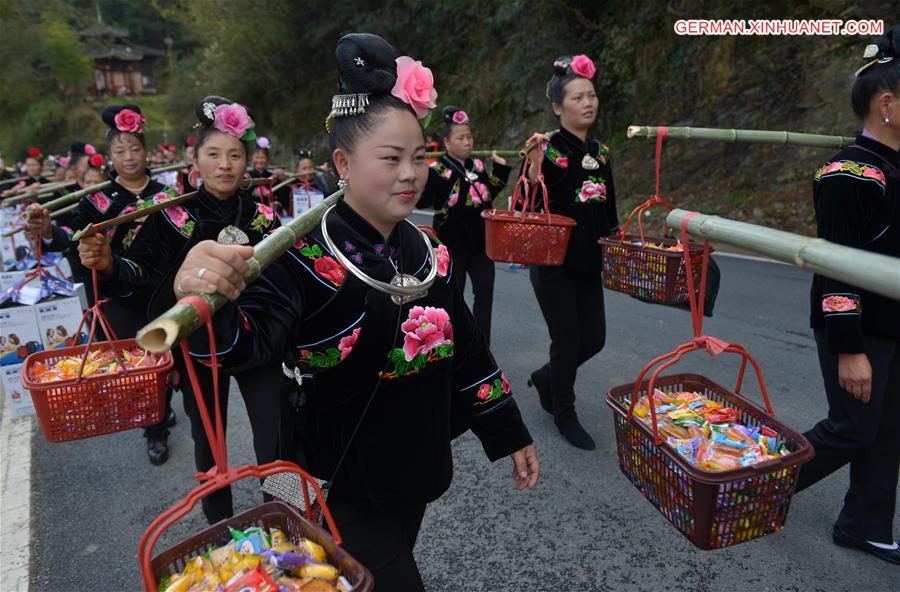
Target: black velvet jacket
(459,202)
(856,198)
(424,365)
(588,196)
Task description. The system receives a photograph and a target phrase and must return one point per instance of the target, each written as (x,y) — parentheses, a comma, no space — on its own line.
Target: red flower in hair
(34,152)
(189,141)
(97,161)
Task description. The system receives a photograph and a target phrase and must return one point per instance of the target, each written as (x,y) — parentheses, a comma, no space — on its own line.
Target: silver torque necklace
(231,234)
(403,287)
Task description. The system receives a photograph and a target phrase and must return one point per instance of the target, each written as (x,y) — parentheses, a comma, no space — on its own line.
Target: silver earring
(342,183)
(886,121)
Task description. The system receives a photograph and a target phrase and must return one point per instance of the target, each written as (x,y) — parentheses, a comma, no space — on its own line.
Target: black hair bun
(561,65)
(889,44)
(77,147)
(108,115)
(206,109)
(366,64)
(447,113)
(303,153)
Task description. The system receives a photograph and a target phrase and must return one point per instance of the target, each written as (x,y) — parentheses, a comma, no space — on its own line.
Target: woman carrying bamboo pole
(578,176)
(34,178)
(131,188)
(225,212)
(459,188)
(385,376)
(857,201)
(260,170)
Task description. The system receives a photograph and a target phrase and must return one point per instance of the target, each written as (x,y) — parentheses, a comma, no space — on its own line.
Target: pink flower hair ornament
(128,120)
(234,120)
(415,87)
(460,117)
(583,66)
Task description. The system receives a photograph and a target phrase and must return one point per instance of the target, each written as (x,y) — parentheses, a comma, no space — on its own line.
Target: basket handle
(661,133)
(714,347)
(179,510)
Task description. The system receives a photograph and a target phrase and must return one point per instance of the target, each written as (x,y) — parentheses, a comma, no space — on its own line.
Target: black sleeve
(83,214)
(256,330)
(438,188)
(841,205)
(484,396)
(611,211)
(498,179)
(147,261)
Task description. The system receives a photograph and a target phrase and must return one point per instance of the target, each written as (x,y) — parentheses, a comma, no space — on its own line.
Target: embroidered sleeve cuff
(501,430)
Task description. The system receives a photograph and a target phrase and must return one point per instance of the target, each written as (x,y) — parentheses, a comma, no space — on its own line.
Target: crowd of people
(356,353)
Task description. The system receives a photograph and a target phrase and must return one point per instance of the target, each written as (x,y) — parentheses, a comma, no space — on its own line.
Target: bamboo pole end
(159,336)
(633,130)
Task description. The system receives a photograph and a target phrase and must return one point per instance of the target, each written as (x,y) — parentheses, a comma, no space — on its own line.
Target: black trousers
(476,264)
(261,390)
(382,541)
(865,435)
(161,430)
(572,305)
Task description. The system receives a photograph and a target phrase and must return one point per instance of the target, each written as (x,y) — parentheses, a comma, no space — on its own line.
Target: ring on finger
(201,272)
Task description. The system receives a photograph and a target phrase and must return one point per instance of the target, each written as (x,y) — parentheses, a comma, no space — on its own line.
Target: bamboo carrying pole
(870,271)
(45,189)
(483,153)
(75,196)
(182,319)
(13,180)
(739,135)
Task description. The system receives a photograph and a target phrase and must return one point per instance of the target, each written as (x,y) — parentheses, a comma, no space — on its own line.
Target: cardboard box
(57,321)
(18,400)
(10,278)
(19,334)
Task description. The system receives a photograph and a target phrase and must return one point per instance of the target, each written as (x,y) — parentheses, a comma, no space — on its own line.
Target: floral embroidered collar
(366,247)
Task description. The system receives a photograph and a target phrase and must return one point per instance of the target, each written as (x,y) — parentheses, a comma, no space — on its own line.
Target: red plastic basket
(96,405)
(274,514)
(712,509)
(646,272)
(526,236)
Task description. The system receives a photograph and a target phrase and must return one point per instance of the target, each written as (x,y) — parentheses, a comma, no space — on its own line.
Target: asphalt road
(585,527)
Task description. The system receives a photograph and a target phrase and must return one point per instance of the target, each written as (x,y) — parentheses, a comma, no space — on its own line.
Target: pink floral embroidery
(300,243)
(330,269)
(265,211)
(161,197)
(447,174)
(591,190)
(348,343)
(830,168)
(454,197)
(426,329)
(873,173)
(100,201)
(443,259)
(562,161)
(128,210)
(491,391)
(178,215)
(478,192)
(833,303)
(479,166)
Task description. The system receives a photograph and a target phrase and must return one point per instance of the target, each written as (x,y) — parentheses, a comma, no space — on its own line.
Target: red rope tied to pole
(221,475)
(656,199)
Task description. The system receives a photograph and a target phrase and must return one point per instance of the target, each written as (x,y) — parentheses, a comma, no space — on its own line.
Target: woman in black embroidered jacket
(224,212)
(459,187)
(579,181)
(385,379)
(131,188)
(857,201)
